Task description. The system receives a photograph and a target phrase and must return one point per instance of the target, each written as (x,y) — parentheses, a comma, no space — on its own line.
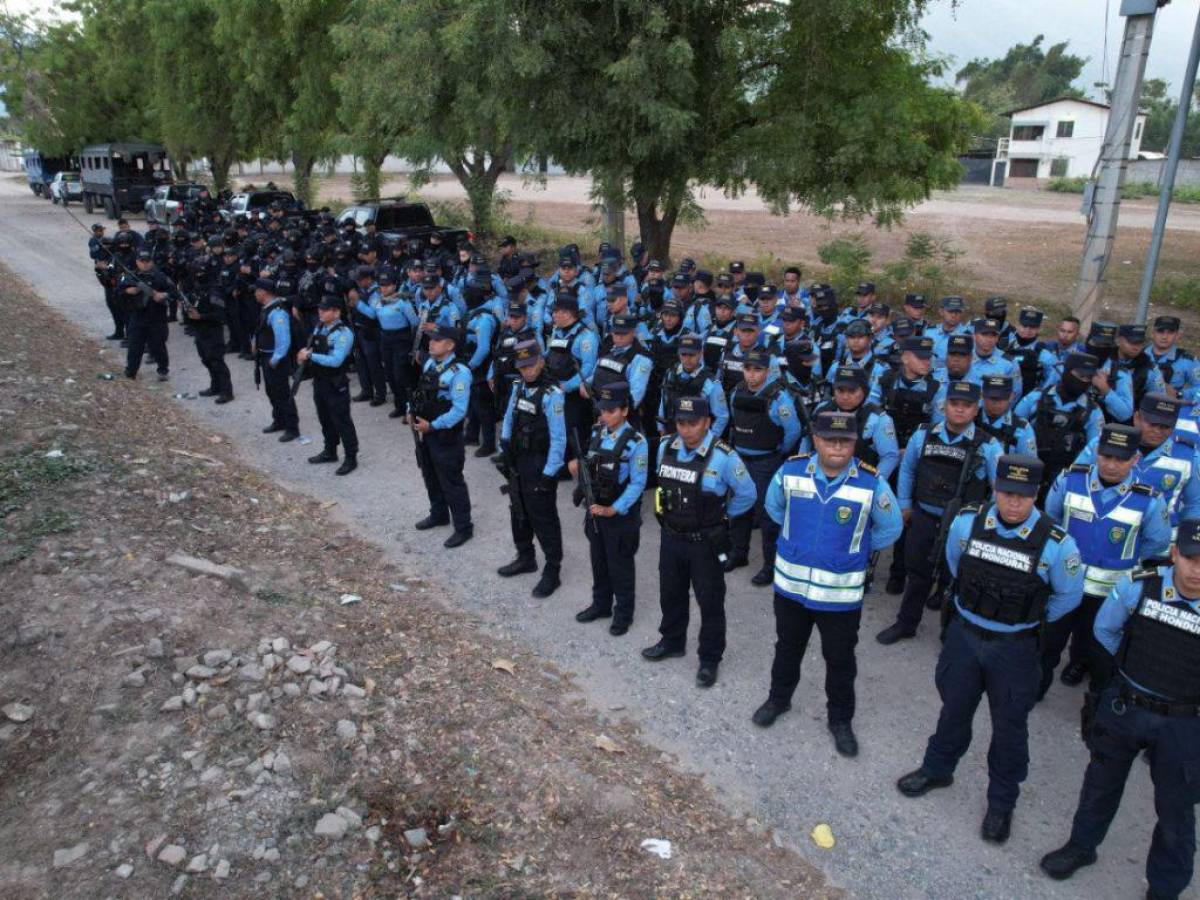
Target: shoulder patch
(721,445)
(973,508)
(1057,534)
(867,467)
(1138,488)
(1079,467)
(800,456)
(1143,574)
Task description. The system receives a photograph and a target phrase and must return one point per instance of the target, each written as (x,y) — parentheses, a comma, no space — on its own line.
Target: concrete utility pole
(1167,182)
(1102,197)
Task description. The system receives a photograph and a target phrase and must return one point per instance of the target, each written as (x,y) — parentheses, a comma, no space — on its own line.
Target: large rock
(331,825)
(69,855)
(234,577)
(172,855)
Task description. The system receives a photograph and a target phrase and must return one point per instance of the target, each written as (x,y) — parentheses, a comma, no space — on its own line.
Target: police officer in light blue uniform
(274,355)
(617,463)
(864,296)
(1014,434)
(931,476)
(397,316)
(479,331)
(876,432)
(690,378)
(857,354)
(1177,366)
(1013,569)
(616,303)
(1166,462)
(988,360)
(328,360)
(952,311)
(702,483)
(1149,628)
(1064,416)
(571,354)
(624,359)
(437,412)
(1117,522)
(1112,385)
(834,512)
(435,308)
(766,428)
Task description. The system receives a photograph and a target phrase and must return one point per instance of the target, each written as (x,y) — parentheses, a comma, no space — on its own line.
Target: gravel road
(789,777)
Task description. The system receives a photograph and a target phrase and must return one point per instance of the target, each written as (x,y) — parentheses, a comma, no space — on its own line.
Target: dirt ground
(1023,244)
(248,735)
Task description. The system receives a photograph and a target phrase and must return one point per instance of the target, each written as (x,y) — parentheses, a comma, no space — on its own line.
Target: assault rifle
(937,599)
(302,367)
(583,489)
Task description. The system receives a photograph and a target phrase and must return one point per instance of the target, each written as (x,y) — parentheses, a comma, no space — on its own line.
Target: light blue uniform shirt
(454,382)
(988,454)
(633,466)
(552,408)
(725,476)
(1059,566)
(341,343)
(281,329)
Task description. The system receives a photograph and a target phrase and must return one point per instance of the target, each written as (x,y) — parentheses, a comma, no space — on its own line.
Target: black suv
(398,220)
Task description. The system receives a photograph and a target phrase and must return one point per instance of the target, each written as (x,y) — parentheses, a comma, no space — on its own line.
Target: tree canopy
(1160,102)
(1026,75)
(829,104)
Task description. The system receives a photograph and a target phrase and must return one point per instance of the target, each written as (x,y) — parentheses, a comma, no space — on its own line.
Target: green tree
(438,80)
(191,88)
(1160,105)
(1026,75)
(282,68)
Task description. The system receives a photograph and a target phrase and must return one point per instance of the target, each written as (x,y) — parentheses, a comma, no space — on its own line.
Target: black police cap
(1030,317)
(1159,409)
(1134,333)
(963,390)
(1120,441)
(1166,323)
(691,408)
(832,424)
(997,386)
(613,395)
(1019,474)
(1187,538)
(691,343)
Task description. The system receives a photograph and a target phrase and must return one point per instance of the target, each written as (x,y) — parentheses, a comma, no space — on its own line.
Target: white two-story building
(1059,139)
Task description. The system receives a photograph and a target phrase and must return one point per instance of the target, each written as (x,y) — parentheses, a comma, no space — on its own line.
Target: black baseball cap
(1103,334)
(998,387)
(1135,333)
(691,408)
(329,301)
(1187,537)
(953,304)
(879,309)
(959,345)
(671,307)
(793,314)
(566,300)
(737,267)
(1019,474)
(1159,409)
(704,277)
(96,226)
(831,424)
(508,241)
(804,349)
(986,326)
(387,276)
(921,347)
(145,255)
(691,343)
(995,305)
(748,321)
(613,395)
(680,280)
(444,333)
(858,328)
(1030,317)
(864,288)
(849,376)
(264,284)
(726,301)
(518,310)
(1168,323)
(654,266)
(759,358)
(963,390)
(1084,362)
(431,281)
(1120,441)
(624,324)
(916,301)
(526,354)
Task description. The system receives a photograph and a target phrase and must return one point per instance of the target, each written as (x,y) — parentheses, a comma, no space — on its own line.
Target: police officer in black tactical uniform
(328,360)
(208,323)
(533,440)
(438,409)
(100,252)
(275,354)
(368,362)
(906,393)
(146,293)
(1015,572)
(616,460)
(503,374)
(1148,700)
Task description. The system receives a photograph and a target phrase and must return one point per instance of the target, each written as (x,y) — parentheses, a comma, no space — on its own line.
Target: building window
(1058,167)
(1028,132)
(1066,129)
(1137,130)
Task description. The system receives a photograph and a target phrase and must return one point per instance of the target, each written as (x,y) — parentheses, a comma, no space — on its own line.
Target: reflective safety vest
(825,540)
(1108,535)
(1169,472)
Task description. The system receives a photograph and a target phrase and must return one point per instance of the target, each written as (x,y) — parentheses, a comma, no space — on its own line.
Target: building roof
(1083,100)
(124,147)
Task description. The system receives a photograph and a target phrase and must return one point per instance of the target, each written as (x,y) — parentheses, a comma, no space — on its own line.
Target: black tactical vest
(604,466)
(753,428)
(321,343)
(683,505)
(718,340)
(998,576)
(610,369)
(664,349)
(427,402)
(1160,649)
(908,406)
(1139,371)
(530,428)
(675,386)
(560,360)
(1026,357)
(504,353)
(1004,432)
(265,338)
(731,371)
(1060,434)
(939,469)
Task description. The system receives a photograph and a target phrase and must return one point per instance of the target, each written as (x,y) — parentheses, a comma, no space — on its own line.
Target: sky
(987,28)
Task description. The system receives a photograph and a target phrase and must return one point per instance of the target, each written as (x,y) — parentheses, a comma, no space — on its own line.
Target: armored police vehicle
(122,177)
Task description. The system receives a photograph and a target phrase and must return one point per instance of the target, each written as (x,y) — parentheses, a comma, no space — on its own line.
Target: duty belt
(692,537)
(988,634)
(1129,694)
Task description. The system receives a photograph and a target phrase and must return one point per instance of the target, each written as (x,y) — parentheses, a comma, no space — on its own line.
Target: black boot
(272,428)
(349,464)
(547,584)
(224,398)
(208,392)
(325,456)
(518,566)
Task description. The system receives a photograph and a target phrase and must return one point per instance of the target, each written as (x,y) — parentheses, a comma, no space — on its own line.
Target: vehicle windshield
(139,167)
(263,199)
(398,218)
(70,176)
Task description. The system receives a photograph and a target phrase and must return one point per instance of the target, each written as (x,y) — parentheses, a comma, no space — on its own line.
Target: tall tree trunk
(372,175)
(478,178)
(655,230)
(302,185)
(179,166)
(220,161)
